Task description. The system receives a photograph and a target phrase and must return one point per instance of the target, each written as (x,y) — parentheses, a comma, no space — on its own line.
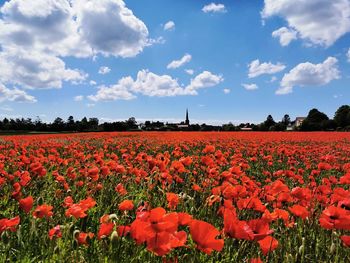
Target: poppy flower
(9,224)
(55,232)
(204,234)
(346,240)
(268,244)
(123,230)
(126,205)
(260,228)
(26,204)
(173,200)
(299,211)
(335,218)
(105,230)
(43,211)
(82,238)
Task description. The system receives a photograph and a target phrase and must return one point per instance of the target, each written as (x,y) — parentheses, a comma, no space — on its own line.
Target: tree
(269,122)
(315,121)
(286,120)
(342,116)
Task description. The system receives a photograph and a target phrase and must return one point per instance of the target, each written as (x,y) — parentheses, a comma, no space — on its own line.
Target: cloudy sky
(230,60)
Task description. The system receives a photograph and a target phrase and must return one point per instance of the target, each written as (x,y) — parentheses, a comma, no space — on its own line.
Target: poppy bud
(75,234)
(332,248)
(114,236)
(113,216)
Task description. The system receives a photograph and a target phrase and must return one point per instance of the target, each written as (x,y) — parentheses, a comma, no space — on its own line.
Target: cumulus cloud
(78,98)
(110,28)
(256,68)
(252,86)
(286,35)
(150,84)
(205,79)
(308,74)
(92,82)
(189,71)
(170,25)
(178,63)
(35,37)
(104,70)
(17,95)
(226,91)
(214,8)
(35,70)
(319,22)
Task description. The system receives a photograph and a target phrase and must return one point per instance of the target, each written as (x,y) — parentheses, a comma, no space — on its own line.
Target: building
(299,121)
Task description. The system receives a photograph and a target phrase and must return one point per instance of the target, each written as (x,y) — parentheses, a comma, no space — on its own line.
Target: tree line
(314,121)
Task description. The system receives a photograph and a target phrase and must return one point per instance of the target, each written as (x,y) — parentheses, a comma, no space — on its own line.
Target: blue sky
(247,59)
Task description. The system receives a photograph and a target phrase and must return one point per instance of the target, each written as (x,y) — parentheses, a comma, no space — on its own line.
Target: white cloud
(273,79)
(286,35)
(320,22)
(35,70)
(189,71)
(178,63)
(78,98)
(256,68)
(110,28)
(35,37)
(104,70)
(308,74)
(150,84)
(92,83)
(214,8)
(15,95)
(90,105)
(348,55)
(170,25)
(250,86)
(226,91)
(205,79)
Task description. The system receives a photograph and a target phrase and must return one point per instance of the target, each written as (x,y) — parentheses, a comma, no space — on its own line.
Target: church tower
(187,121)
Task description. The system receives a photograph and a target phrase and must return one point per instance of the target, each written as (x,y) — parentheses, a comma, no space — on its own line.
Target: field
(175,197)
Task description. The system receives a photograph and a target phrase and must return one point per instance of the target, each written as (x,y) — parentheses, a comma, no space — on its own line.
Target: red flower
(43,211)
(204,234)
(126,205)
(55,232)
(260,228)
(173,200)
(82,238)
(123,230)
(346,240)
(105,230)
(299,211)
(335,217)
(26,204)
(268,244)
(9,224)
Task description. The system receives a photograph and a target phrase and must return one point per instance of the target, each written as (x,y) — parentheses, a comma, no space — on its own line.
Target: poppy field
(175,197)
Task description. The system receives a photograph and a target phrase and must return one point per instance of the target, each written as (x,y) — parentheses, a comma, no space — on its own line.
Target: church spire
(187,121)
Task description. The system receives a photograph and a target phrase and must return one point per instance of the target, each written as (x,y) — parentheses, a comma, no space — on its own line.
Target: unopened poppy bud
(301,249)
(332,248)
(76,233)
(114,236)
(113,216)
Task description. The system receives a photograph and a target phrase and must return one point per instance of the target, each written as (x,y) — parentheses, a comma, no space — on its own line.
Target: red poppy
(26,204)
(43,211)
(126,205)
(299,211)
(55,232)
(268,244)
(173,200)
(123,230)
(335,217)
(260,228)
(9,224)
(82,238)
(346,240)
(204,234)
(105,230)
